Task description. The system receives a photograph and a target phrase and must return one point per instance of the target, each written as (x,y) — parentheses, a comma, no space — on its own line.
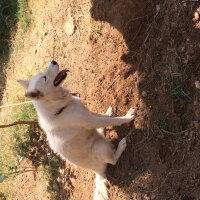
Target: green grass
(21,134)
(15,144)
(24,15)
(28,141)
(14,14)
(21,140)
(177,91)
(8,20)
(51,166)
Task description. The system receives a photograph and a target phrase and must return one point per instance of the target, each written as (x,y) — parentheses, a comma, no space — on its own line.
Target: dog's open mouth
(60,77)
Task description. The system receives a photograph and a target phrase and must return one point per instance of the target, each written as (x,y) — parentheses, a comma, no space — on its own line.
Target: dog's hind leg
(100,192)
(111,157)
(108,113)
(121,147)
(105,152)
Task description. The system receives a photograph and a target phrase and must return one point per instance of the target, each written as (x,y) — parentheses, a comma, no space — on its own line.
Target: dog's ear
(34,95)
(24,83)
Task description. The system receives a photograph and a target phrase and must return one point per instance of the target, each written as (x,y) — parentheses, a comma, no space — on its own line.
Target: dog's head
(45,86)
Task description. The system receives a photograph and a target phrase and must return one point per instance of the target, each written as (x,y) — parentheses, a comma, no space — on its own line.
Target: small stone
(63,44)
(170,192)
(44,34)
(196,124)
(157,8)
(152,196)
(69,24)
(144,93)
(196,16)
(56,187)
(59,179)
(39,43)
(138,85)
(190,52)
(190,135)
(182,49)
(197,84)
(186,134)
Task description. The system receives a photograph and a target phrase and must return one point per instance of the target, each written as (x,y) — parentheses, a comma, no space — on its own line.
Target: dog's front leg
(92,121)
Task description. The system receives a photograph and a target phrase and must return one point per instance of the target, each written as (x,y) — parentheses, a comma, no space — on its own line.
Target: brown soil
(133,53)
(30,185)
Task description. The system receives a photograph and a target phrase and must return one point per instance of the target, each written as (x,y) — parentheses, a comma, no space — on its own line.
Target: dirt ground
(133,53)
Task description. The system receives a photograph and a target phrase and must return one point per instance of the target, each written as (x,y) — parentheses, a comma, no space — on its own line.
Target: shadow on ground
(163,49)
(8,20)
(37,150)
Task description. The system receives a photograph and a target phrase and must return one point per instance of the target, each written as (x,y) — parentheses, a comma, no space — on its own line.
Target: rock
(44,34)
(138,85)
(146,197)
(196,124)
(197,84)
(39,43)
(63,44)
(182,49)
(69,24)
(186,134)
(157,8)
(190,52)
(196,16)
(144,93)
(152,196)
(56,187)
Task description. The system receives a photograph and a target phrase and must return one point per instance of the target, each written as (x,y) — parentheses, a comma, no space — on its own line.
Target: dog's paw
(122,144)
(130,115)
(109,111)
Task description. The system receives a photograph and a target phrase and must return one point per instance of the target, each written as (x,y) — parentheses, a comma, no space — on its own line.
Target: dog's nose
(54,62)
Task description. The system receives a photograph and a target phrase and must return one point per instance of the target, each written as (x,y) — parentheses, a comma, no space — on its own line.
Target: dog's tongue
(60,77)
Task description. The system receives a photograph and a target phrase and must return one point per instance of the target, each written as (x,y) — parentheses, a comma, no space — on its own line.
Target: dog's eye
(45,78)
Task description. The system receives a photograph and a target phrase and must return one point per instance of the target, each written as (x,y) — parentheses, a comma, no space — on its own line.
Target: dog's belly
(58,138)
(76,149)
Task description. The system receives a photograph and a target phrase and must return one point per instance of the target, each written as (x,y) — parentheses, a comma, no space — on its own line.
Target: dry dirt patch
(141,54)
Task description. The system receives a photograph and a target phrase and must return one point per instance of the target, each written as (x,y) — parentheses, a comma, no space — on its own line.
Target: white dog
(72,130)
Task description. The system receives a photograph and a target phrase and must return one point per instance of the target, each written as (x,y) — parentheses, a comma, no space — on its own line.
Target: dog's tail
(100,192)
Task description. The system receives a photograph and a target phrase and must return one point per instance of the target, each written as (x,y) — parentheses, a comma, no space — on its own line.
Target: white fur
(100,192)
(76,133)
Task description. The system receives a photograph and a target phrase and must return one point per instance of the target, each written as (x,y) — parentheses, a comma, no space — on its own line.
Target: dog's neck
(52,107)
(59,111)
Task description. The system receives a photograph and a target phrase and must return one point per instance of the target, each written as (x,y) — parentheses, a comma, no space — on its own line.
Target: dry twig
(20,122)
(174,133)
(15,104)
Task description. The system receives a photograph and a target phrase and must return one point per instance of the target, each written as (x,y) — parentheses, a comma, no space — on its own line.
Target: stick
(175,133)
(27,102)
(15,104)
(19,122)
